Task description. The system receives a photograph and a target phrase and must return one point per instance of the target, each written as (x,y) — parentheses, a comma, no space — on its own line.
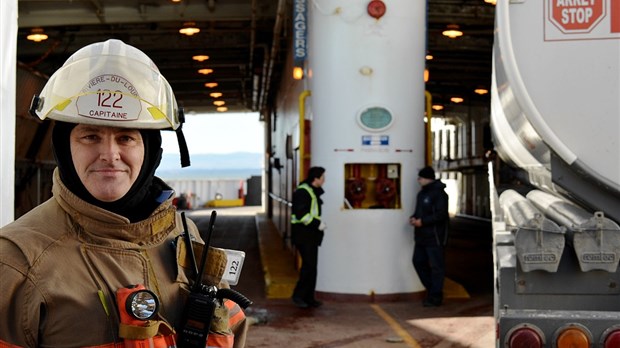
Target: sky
(219,133)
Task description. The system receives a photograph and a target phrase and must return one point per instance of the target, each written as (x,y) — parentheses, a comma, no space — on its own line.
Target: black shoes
(306,304)
(430,302)
(300,303)
(315,303)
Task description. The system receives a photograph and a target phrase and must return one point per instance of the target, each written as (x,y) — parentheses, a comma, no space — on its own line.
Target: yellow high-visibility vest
(314,208)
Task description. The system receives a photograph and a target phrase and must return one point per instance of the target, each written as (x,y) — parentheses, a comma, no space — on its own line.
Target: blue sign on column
(300,21)
(375,140)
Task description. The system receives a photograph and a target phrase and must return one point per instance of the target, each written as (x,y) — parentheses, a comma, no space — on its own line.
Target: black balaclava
(140,201)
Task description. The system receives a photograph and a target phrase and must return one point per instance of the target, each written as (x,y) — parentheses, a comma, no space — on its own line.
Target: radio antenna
(188,242)
(205,250)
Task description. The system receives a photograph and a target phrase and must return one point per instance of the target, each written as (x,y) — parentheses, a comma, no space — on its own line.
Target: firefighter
(110,225)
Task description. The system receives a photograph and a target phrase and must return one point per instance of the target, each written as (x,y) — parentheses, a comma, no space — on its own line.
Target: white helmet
(111,84)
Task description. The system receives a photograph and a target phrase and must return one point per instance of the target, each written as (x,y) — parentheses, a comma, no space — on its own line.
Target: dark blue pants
(304,290)
(428,261)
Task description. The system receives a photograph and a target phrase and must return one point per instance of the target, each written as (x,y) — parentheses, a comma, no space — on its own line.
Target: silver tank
(556,99)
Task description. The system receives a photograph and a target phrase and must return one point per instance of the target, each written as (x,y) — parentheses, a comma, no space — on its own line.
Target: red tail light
(612,340)
(525,337)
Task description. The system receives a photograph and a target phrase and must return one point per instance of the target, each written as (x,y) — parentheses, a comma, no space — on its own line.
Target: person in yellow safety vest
(307,235)
(110,223)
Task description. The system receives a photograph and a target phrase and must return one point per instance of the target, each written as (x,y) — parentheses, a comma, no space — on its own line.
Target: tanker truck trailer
(555,120)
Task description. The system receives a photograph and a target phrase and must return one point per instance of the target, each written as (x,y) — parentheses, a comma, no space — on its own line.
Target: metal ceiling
(246,40)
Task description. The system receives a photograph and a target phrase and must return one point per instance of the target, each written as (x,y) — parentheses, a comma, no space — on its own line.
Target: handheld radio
(203,299)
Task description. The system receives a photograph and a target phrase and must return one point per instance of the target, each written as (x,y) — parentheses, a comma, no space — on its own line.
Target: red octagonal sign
(576,16)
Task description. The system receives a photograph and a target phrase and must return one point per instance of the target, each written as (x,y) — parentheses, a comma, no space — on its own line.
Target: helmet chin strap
(183,150)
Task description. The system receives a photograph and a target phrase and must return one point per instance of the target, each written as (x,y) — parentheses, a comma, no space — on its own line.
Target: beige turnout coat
(61,264)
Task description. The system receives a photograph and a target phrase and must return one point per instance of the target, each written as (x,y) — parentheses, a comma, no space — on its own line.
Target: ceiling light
(429,56)
(211,84)
(456,100)
(437,107)
(37,35)
(426,75)
(205,71)
(216,94)
(481,91)
(200,57)
(492,2)
(175,0)
(219,103)
(222,109)
(452,31)
(189,29)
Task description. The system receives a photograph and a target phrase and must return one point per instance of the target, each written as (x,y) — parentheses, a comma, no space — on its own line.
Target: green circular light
(375,118)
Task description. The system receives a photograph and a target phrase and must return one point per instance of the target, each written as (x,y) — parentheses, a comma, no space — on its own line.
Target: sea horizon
(208,174)
(238,165)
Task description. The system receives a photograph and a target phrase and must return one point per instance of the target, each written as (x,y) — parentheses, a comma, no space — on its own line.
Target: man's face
(424,181)
(107,159)
(318,182)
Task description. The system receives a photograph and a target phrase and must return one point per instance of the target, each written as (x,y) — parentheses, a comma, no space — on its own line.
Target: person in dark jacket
(307,232)
(430,220)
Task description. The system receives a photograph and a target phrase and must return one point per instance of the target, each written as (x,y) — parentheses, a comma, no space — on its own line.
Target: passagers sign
(300,25)
(582,19)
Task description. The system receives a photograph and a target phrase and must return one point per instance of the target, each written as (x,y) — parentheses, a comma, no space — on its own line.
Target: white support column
(8,64)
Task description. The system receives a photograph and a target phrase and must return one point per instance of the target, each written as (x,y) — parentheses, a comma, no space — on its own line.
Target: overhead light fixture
(298,73)
(492,2)
(429,56)
(205,71)
(452,31)
(481,91)
(456,100)
(426,75)
(215,94)
(219,103)
(200,57)
(175,0)
(437,107)
(222,109)
(189,29)
(211,84)
(37,35)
